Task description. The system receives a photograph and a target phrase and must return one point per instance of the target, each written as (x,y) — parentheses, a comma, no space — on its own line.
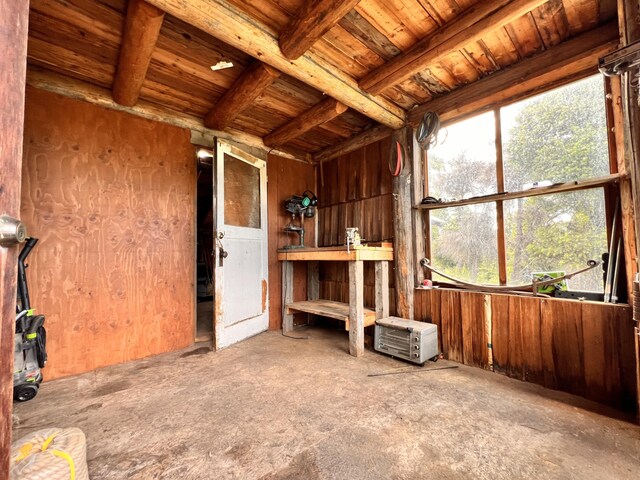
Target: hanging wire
(427,131)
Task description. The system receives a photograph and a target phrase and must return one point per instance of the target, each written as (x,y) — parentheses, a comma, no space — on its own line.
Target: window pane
(559,136)
(241,193)
(464,243)
(463,164)
(557,232)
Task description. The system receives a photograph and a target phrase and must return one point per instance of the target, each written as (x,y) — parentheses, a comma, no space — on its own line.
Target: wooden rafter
(367,137)
(479,20)
(224,21)
(317,115)
(141,32)
(553,67)
(250,85)
(314,19)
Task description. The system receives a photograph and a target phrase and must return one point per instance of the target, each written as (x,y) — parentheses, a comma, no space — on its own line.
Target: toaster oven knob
(417,347)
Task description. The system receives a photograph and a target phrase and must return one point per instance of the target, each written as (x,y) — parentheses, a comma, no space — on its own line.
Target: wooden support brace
(313,20)
(287,295)
(250,85)
(356,308)
(141,32)
(382,289)
(351,144)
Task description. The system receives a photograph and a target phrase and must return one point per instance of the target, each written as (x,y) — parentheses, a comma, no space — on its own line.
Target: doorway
(204,250)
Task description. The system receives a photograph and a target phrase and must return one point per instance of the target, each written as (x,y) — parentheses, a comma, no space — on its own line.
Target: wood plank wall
(286,177)
(111,198)
(584,348)
(357,192)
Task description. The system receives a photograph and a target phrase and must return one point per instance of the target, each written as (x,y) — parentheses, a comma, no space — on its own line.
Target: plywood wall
(286,177)
(584,348)
(111,198)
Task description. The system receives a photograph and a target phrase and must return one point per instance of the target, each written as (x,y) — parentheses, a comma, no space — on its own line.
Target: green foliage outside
(559,136)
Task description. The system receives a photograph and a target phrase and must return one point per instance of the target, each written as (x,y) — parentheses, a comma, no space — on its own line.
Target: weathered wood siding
(584,348)
(111,198)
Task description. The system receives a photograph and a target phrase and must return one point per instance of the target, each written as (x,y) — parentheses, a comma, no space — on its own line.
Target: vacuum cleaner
(30,354)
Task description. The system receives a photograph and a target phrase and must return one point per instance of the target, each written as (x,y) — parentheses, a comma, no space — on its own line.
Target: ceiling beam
(86,92)
(141,32)
(367,137)
(313,20)
(553,67)
(320,113)
(476,22)
(250,85)
(225,22)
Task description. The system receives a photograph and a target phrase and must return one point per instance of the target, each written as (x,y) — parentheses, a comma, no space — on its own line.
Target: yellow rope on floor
(51,454)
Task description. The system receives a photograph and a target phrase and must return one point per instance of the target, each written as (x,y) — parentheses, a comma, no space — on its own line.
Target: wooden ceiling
(82,39)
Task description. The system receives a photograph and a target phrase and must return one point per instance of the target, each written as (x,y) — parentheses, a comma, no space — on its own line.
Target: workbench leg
(356,308)
(313,285)
(287,295)
(382,289)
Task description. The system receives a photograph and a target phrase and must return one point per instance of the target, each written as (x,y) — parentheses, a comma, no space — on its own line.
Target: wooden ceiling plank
(322,112)
(552,66)
(141,32)
(86,92)
(225,22)
(351,144)
(249,86)
(471,26)
(314,19)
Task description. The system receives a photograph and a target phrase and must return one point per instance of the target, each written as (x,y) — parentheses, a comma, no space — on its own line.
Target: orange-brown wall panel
(111,198)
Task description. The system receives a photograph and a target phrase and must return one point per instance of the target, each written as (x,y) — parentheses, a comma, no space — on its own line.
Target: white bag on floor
(51,454)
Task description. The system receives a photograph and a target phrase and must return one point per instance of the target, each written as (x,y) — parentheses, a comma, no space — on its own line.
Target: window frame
(609,191)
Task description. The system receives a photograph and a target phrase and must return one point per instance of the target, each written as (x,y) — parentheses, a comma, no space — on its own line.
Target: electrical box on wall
(414,341)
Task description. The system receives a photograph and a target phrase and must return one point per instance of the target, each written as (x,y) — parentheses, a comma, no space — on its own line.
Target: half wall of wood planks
(111,198)
(356,192)
(584,348)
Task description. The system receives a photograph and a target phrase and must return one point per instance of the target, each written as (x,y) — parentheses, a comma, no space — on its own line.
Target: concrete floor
(277,408)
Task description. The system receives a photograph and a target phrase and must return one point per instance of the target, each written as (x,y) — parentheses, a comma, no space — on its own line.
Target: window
(556,137)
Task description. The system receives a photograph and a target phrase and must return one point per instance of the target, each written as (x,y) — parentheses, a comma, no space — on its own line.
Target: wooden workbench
(355,316)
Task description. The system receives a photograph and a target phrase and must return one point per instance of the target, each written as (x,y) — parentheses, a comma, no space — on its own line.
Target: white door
(241,298)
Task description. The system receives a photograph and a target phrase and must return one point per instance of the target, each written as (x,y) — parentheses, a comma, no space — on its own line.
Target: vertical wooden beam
(356,308)
(418,216)
(313,280)
(502,251)
(382,290)
(403,233)
(141,32)
(14,22)
(629,26)
(626,195)
(287,295)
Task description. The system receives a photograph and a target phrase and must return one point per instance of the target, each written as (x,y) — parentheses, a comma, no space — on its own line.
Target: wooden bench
(331,309)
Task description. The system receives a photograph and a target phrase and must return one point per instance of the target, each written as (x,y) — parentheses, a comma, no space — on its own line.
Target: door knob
(12,231)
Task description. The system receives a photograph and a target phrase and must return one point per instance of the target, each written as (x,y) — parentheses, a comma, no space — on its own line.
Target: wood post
(313,280)
(382,289)
(403,235)
(14,22)
(629,25)
(356,308)
(418,217)
(287,295)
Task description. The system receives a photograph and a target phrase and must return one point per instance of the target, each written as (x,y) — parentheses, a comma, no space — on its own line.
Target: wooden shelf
(331,309)
(339,254)
(558,188)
